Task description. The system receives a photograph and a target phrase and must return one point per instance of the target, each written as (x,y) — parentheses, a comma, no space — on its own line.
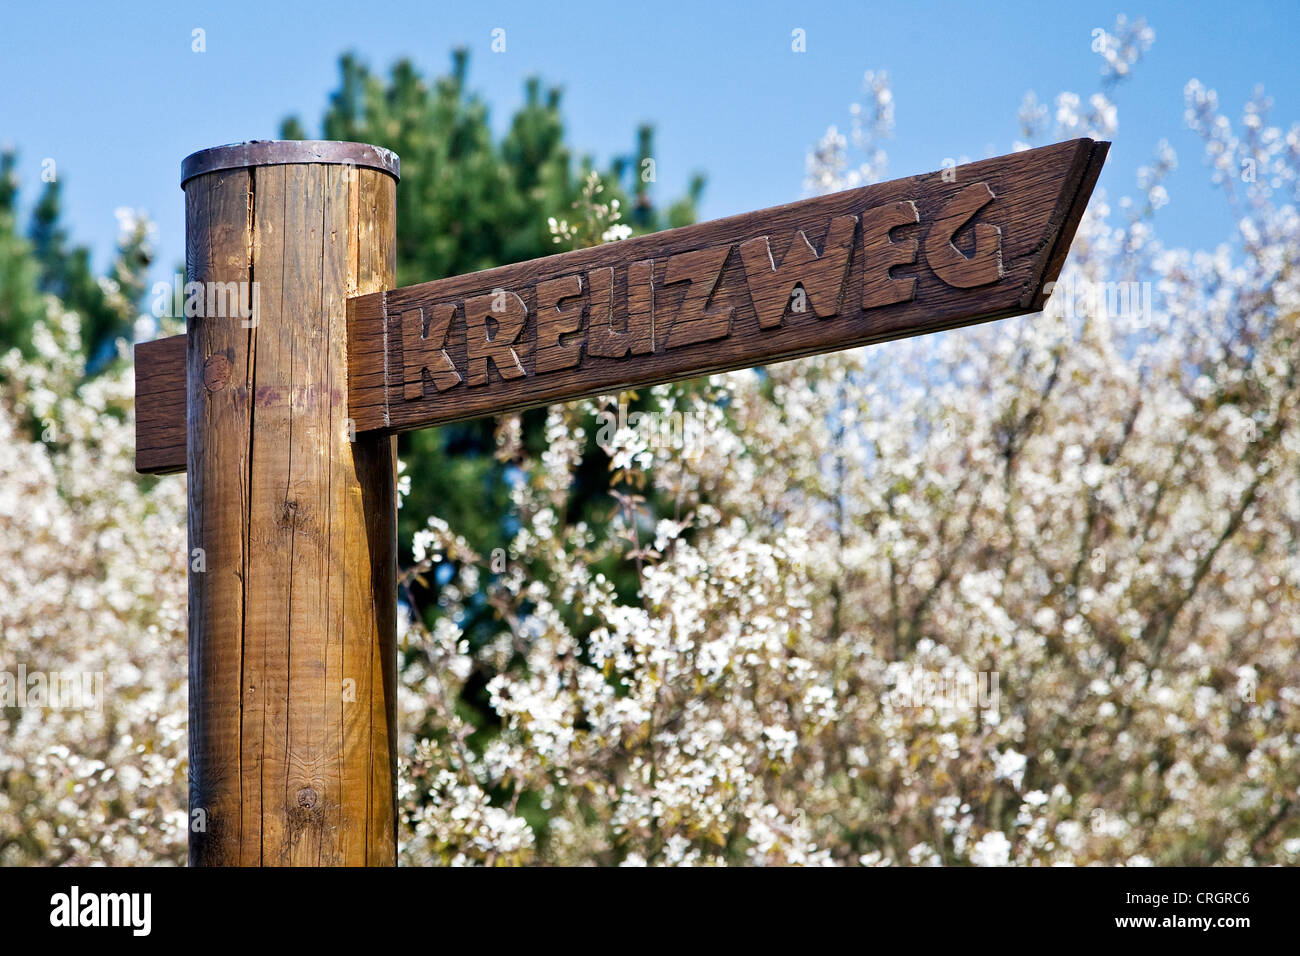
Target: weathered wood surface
(160,406)
(292,624)
(915,255)
(217,241)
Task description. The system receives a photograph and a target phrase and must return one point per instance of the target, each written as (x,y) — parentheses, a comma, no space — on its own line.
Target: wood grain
(218,218)
(293,620)
(160,406)
(915,255)
(370,729)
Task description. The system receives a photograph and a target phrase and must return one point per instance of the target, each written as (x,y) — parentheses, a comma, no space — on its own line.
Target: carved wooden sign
(915,255)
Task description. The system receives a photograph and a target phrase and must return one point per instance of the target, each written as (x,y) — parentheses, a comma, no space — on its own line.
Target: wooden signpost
(284,418)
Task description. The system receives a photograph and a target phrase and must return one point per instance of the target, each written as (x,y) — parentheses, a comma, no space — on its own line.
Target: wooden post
(292,517)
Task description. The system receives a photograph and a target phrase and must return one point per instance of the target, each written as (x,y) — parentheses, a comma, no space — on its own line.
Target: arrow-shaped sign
(915,255)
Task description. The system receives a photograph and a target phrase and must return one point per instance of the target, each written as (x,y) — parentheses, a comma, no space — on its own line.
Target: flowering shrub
(1090,514)
(92,582)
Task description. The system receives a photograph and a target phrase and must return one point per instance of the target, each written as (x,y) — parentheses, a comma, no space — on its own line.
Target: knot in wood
(216,372)
(307,797)
(291,511)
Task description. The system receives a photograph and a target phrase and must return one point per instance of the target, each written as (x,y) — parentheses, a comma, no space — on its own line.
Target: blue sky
(114,94)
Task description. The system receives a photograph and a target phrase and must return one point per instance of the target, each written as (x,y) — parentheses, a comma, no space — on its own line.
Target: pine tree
(20,300)
(107,308)
(468,202)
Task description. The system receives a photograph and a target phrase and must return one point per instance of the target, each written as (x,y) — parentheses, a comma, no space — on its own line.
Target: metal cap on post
(280,152)
(292,514)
